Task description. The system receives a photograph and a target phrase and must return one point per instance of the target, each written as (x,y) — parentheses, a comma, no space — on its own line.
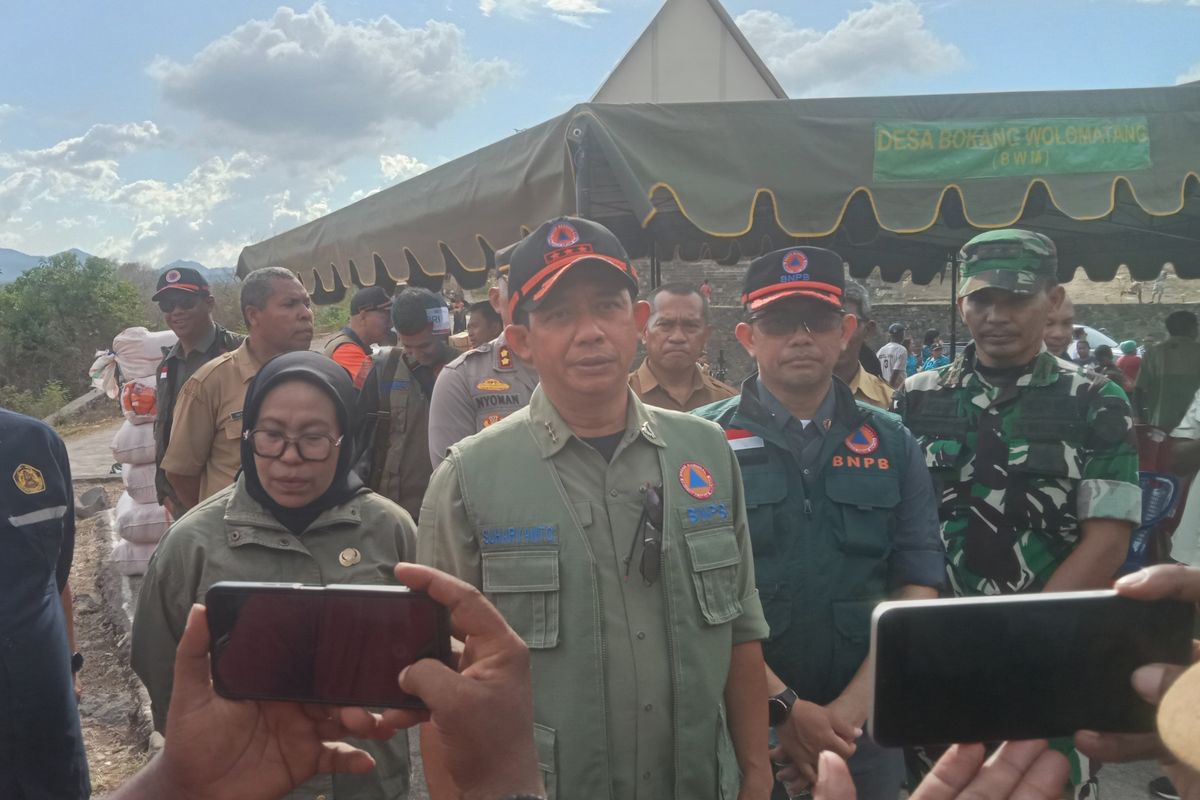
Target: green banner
(925,151)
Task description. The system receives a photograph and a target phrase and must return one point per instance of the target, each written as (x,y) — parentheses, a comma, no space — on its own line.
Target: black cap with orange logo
(182,279)
(556,246)
(795,272)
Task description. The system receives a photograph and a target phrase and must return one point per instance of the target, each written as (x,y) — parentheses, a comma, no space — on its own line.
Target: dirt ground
(116,748)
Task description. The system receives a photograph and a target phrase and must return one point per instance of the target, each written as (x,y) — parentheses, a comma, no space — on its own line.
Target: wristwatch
(780,705)
(76,662)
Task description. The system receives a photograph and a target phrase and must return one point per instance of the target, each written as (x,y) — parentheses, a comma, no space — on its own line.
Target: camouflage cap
(1010,259)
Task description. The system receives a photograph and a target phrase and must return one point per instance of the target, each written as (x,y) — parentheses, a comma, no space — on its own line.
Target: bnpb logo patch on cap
(863,441)
(794,261)
(696,480)
(173,276)
(562,235)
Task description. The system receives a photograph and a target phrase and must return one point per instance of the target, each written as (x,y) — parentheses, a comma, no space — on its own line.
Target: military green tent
(898,183)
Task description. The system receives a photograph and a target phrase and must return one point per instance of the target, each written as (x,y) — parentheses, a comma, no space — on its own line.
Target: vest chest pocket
(943,456)
(715,558)
(1051,459)
(765,486)
(524,586)
(866,504)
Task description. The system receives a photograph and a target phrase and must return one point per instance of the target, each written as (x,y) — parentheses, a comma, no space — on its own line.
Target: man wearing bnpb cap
(841,515)
(370,321)
(484,385)
(1034,460)
(613,538)
(184,297)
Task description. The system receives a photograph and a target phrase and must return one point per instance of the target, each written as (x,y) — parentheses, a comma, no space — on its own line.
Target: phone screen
(1023,668)
(340,645)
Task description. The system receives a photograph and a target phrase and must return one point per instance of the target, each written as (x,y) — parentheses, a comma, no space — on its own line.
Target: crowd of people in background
(679,573)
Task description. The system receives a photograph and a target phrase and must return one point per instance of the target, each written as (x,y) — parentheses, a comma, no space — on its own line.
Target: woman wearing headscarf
(296,514)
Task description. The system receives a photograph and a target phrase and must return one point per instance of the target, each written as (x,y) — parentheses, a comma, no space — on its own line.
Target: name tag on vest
(530,534)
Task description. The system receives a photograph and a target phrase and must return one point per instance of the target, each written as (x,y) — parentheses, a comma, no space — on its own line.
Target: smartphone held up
(337,645)
(1038,666)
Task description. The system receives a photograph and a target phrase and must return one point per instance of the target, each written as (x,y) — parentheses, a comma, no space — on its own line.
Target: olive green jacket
(504,514)
(230,537)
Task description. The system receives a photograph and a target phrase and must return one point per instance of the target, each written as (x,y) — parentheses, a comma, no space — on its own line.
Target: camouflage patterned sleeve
(1109,488)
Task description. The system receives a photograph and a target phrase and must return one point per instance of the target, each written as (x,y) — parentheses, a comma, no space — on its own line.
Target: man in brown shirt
(865,386)
(204,454)
(675,336)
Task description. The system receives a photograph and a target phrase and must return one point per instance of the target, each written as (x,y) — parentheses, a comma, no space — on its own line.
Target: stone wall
(1141,322)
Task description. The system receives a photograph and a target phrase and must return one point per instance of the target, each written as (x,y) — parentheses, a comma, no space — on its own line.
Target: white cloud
(359,194)
(284,216)
(869,46)
(6,109)
(312,88)
(400,167)
(572,12)
(80,166)
(1192,74)
(205,187)
(99,143)
(170,216)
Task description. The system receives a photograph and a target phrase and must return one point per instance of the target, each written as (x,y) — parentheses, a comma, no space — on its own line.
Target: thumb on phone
(1152,681)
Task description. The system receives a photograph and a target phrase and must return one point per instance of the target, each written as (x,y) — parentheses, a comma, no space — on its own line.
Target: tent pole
(583,180)
(953,308)
(655,267)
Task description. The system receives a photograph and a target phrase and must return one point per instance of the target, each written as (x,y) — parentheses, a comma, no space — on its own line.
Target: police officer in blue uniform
(41,745)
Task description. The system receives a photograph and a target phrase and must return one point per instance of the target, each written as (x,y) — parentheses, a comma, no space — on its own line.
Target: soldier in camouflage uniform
(1034,461)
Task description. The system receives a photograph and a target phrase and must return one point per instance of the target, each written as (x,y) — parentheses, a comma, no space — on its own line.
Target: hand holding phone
(335,645)
(1021,667)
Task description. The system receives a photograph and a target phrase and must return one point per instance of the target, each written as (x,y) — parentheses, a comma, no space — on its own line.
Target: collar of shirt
(872,390)
(352,336)
(647,380)
(780,416)
(551,432)
(243,510)
(243,358)
(201,347)
(1042,371)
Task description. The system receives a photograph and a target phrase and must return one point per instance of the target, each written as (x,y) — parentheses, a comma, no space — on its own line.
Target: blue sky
(155,131)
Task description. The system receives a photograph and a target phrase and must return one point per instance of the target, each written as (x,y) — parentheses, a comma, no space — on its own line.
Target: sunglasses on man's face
(786,323)
(185,303)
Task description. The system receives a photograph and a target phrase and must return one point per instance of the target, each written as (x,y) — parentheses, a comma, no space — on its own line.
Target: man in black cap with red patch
(184,297)
(612,537)
(842,515)
(370,322)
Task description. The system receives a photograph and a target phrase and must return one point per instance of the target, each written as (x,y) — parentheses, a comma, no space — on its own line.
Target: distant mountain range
(14,263)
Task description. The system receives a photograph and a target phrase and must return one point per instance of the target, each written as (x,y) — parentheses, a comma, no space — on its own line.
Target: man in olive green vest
(393,406)
(613,538)
(841,510)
